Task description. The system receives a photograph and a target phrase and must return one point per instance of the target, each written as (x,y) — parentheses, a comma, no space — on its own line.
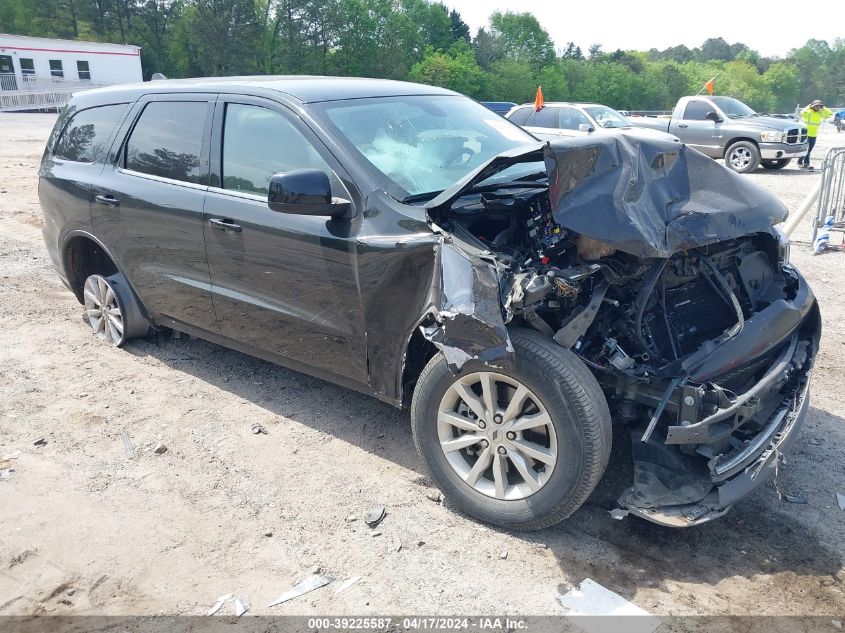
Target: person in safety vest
(813,115)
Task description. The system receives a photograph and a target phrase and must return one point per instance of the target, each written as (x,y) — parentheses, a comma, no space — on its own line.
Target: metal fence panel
(832,192)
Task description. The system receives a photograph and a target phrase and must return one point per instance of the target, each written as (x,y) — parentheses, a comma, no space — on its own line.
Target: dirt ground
(85,530)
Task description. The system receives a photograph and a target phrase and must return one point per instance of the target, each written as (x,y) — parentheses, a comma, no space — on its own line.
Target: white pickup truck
(724,127)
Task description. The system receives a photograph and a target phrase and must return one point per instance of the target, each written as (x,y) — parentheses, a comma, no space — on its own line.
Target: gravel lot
(84,529)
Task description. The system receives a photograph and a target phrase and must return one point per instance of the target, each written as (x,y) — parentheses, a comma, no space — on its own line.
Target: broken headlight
(783,247)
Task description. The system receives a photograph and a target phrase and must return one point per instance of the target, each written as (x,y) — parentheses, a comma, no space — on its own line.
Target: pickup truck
(724,127)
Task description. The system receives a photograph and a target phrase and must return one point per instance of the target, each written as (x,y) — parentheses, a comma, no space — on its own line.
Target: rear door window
(547,117)
(85,136)
(167,140)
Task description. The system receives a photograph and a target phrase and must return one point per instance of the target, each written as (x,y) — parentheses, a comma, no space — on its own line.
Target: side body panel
(64,192)
(282,282)
(155,230)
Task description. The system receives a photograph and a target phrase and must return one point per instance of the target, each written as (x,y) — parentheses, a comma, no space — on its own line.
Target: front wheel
(520,448)
(776,164)
(742,157)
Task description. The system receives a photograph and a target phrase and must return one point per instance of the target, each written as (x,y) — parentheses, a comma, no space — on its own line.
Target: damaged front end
(662,271)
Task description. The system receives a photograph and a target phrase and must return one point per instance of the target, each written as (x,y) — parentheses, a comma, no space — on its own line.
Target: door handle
(225,224)
(683,125)
(107,200)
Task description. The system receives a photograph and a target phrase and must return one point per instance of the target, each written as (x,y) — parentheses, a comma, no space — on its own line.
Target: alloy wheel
(102,310)
(497,435)
(740,158)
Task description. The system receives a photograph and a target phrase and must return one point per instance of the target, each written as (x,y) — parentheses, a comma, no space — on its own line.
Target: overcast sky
(645,24)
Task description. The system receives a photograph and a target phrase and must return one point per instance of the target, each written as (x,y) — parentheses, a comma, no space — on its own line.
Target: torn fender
(467,308)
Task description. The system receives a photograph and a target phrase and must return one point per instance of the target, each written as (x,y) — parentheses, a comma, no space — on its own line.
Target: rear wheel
(742,157)
(112,310)
(520,448)
(776,164)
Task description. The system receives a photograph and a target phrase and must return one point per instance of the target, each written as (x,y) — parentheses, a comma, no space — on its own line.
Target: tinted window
(697,110)
(85,136)
(520,116)
(258,143)
(547,117)
(167,140)
(56,68)
(27,66)
(83,70)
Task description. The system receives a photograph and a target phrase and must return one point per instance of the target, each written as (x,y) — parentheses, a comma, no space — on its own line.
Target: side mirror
(586,127)
(305,192)
(712,116)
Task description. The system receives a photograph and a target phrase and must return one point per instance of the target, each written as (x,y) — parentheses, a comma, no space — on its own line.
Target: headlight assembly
(771,136)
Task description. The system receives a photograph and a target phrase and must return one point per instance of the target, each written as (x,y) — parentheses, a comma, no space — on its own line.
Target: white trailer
(37,72)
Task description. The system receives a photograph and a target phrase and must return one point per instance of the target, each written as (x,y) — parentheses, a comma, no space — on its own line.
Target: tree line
(426,42)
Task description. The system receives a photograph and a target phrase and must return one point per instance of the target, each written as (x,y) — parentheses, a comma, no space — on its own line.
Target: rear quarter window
(520,116)
(87,133)
(167,140)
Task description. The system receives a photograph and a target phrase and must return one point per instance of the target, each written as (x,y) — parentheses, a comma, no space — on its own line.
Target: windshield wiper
(420,197)
(510,184)
(539,175)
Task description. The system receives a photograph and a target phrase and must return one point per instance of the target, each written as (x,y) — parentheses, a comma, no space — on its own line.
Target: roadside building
(37,72)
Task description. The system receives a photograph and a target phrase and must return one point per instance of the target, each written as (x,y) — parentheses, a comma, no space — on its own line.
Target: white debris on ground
(591,599)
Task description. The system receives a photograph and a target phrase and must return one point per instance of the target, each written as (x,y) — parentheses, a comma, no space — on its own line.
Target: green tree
(459,28)
(512,80)
(522,39)
(554,83)
(572,52)
(714,48)
(781,80)
(455,69)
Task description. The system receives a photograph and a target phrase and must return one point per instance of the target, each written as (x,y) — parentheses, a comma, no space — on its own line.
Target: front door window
(257,143)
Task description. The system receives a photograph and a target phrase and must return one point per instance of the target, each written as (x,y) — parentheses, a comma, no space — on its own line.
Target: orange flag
(538,99)
(709,86)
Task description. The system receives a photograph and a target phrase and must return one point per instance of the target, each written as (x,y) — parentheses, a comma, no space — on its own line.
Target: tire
(112,309)
(742,157)
(577,434)
(776,164)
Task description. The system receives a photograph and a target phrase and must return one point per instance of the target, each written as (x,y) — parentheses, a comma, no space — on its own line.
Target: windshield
(422,144)
(733,107)
(607,117)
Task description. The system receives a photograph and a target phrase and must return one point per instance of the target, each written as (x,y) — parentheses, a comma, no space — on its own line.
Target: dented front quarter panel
(467,309)
(413,275)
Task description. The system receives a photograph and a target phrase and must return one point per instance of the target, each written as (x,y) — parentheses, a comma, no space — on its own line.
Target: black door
(8,81)
(148,207)
(72,165)
(282,283)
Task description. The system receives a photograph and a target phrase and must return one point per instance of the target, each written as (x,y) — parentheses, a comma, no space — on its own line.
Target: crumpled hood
(652,198)
(645,196)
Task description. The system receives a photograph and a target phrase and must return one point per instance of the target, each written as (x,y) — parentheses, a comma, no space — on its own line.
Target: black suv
(404,241)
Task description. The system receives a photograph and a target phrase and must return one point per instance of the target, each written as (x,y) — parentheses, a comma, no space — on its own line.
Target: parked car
(724,127)
(406,242)
(499,107)
(557,119)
